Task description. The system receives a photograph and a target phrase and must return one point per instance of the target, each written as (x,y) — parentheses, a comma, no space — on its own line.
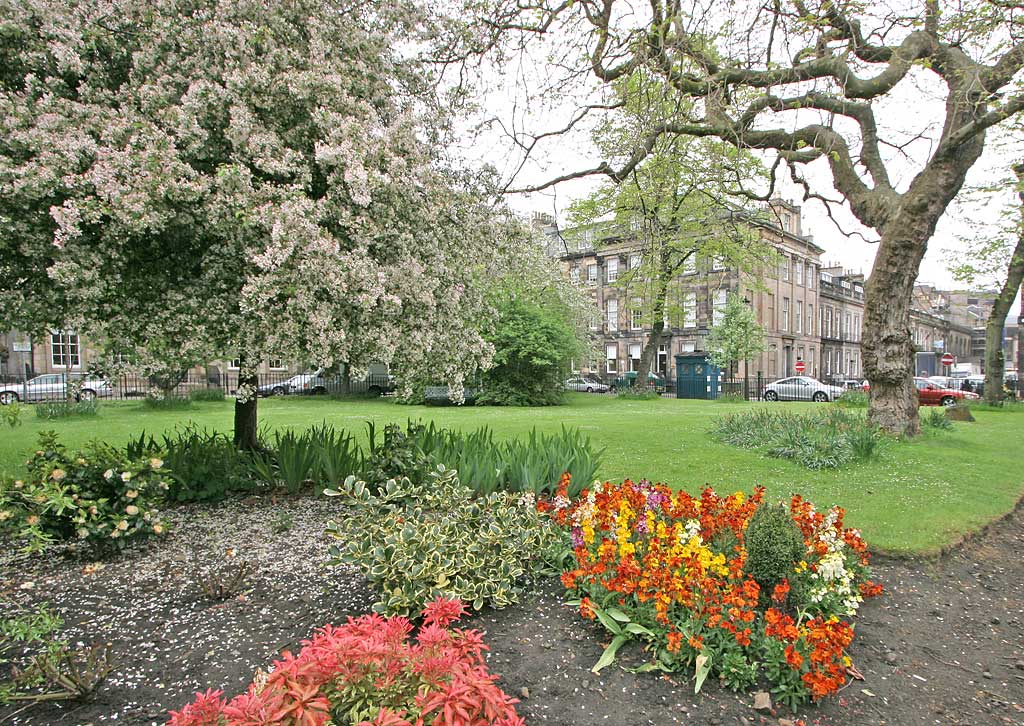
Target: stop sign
(800,366)
(947,359)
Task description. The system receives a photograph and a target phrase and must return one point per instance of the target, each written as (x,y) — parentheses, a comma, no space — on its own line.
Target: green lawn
(915,498)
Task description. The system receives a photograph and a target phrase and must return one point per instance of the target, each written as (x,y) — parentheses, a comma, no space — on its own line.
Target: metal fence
(59,386)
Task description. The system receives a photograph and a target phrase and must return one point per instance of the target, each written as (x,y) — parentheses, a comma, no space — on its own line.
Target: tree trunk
(245,408)
(346,379)
(658,312)
(995,363)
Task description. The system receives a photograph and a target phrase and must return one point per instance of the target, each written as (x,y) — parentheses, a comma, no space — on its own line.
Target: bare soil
(943,645)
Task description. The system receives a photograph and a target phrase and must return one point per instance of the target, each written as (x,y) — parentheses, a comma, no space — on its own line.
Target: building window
(636,316)
(770,322)
(799,272)
(234,364)
(717,264)
(810,276)
(663,359)
(595,320)
(591,273)
(799,316)
(612,266)
(611,310)
(634,262)
(718,313)
(826,277)
(785,314)
(856,327)
(276,364)
(574,274)
(690,264)
(634,357)
(810,319)
(784,269)
(810,362)
(848,329)
(65,350)
(611,353)
(690,310)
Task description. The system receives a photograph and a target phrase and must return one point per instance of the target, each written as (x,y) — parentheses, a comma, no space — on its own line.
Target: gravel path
(944,645)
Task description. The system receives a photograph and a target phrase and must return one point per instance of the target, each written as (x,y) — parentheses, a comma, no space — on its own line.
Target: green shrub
(774,546)
(204,466)
(853,399)
(98,495)
(24,629)
(171,402)
(49,410)
(417,542)
(936,418)
(397,455)
(11,414)
(339,455)
(637,393)
(207,394)
(294,461)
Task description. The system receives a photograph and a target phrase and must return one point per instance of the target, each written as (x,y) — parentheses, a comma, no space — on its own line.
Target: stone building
(842,316)
(785,298)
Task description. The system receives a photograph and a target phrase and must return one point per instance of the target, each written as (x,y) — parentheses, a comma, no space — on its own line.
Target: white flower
(108,474)
(122,525)
(131,510)
(126,475)
(156,463)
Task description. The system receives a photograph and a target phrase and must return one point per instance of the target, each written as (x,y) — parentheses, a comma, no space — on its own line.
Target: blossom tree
(210,178)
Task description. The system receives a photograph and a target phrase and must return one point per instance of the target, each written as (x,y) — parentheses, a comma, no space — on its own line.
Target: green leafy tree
(678,207)
(738,337)
(998,258)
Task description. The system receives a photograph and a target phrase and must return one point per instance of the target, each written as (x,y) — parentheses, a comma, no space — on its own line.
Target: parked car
(579,383)
(801,388)
(315,383)
(54,387)
(930,393)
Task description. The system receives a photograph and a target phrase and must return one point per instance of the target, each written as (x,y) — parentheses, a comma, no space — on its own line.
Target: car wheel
(590,389)
(374,391)
(771,396)
(277,391)
(318,391)
(948,401)
(87,394)
(8,397)
(820,397)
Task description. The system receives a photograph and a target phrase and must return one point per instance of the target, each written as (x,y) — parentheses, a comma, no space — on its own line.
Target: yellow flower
(4,515)
(32,520)
(158,528)
(740,497)
(131,494)
(156,463)
(58,474)
(131,510)
(122,525)
(126,475)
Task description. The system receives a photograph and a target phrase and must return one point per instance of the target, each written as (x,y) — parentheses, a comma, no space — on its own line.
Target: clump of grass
(826,439)
(49,410)
(207,394)
(936,418)
(637,393)
(853,399)
(170,402)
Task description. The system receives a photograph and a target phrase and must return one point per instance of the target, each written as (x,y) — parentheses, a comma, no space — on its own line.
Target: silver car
(579,383)
(801,388)
(53,387)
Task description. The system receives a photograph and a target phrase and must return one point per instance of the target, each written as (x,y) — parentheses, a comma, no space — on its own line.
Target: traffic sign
(948,359)
(800,366)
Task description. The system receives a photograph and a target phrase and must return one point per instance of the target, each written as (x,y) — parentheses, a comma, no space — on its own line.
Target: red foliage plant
(438,679)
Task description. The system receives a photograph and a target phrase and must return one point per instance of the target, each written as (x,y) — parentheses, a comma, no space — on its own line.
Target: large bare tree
(830,83)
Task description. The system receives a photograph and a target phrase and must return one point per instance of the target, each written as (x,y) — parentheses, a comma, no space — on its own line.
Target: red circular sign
(947,359)
(800,366)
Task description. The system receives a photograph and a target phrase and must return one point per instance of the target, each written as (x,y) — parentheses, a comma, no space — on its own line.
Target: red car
(930,393)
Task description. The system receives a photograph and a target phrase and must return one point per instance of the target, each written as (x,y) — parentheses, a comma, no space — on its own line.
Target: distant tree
(679,206)
(999,258)
(737,337)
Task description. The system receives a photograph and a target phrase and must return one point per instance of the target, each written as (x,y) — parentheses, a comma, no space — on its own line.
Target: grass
(913,499)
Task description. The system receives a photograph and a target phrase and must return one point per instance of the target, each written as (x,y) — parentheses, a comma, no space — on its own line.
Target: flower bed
(678,572)
(367,672)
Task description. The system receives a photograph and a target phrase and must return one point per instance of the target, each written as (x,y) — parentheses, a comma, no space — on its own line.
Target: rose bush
(97,495)
(671,569)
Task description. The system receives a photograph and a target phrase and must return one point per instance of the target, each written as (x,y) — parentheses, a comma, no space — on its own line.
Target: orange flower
(675,641)
(781,591)
(587,608)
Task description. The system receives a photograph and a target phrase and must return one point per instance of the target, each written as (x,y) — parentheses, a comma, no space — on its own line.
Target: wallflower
(131,494)
(122,525)
(131,510)
(32,520)
(58,474)
(156,463)
(158,528)
(108,474)
(126,475)
(5,515)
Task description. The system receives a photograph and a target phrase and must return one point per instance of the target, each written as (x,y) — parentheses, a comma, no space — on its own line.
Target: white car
(579,383)
(801,388)
(53,387)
